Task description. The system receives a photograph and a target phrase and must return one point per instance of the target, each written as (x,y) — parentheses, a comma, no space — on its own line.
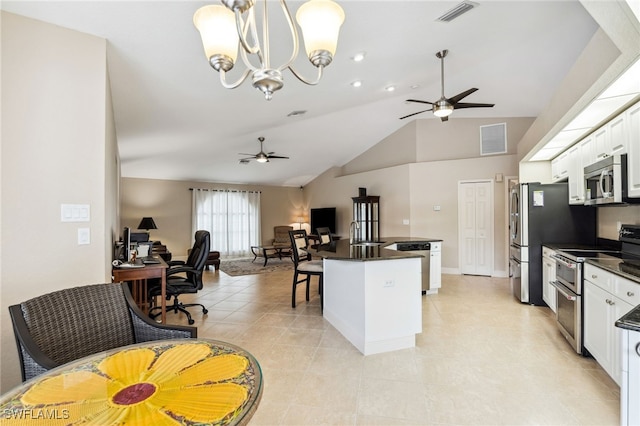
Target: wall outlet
(436,208)
(389,283)
(405,221)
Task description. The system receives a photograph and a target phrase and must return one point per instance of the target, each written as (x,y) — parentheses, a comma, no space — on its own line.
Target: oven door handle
(564,262)
(561,289)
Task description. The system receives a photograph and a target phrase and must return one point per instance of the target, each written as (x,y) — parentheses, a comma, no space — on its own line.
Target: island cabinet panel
(376,305)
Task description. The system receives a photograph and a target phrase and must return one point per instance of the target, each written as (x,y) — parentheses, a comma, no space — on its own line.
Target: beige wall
(55,137)
(169,203)
(409,191)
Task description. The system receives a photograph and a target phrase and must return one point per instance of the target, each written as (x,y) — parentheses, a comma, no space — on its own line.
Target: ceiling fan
(260,157)
(443,107)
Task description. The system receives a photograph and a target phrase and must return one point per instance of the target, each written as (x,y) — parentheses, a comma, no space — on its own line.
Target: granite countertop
(342,250)
(624,268)
(631,320)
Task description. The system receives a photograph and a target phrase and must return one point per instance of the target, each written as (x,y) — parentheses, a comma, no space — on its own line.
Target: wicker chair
(69,324)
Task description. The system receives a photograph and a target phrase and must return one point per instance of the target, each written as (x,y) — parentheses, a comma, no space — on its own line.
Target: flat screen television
(324,217)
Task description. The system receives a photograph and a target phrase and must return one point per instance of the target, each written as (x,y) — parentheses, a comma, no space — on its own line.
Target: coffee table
(269,252)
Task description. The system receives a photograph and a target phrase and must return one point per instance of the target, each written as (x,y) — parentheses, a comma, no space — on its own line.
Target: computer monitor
(126,242)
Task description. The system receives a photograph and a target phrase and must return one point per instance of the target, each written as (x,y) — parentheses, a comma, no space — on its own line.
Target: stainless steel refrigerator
(540,214)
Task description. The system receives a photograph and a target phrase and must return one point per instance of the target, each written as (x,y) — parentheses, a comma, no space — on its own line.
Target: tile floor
(482,359)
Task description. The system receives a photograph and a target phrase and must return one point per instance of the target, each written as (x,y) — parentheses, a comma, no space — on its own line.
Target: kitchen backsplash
(610,217)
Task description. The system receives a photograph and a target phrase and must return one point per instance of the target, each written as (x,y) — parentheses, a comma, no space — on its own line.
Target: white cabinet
(630,388)
(607,297)
(588,151)
(601,143)
(576,175)
(617,135)
(548,275)
(559,167)
(435,267)
(633,151)
(611,138)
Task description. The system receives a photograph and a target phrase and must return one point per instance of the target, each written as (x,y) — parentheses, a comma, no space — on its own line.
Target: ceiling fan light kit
(444,106)
(223,28)
(261,157)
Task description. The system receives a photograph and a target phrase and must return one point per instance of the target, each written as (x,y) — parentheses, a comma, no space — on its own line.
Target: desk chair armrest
(176,263)
(180,269)
(34,361)
(145,329)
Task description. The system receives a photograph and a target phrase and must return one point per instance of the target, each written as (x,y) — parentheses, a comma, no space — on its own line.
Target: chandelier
(222,28)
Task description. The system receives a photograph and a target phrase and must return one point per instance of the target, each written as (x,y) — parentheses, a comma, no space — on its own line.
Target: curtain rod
(223,190)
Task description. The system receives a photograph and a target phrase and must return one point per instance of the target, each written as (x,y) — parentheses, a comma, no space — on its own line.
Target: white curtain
(232,218)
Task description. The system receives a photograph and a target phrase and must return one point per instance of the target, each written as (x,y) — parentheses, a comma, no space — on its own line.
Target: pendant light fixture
(223,27)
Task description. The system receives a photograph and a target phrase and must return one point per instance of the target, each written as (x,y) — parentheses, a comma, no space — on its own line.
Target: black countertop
(631,320)
(343,250)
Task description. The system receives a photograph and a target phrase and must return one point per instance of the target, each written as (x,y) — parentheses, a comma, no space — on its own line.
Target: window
(231,217)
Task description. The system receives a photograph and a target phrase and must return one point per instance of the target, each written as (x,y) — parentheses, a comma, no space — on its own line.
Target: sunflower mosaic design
(164,384)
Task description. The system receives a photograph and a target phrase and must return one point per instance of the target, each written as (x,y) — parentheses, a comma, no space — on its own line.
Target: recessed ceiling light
(356,83)
(390,88)
(359,57)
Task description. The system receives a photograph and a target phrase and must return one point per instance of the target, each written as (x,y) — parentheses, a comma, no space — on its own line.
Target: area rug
(247,267)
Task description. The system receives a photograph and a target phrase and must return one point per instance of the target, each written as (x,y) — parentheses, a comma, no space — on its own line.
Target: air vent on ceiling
(493,139)
(244,161)
(458,10)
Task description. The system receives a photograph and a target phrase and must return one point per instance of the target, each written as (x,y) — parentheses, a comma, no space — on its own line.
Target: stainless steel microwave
(606,182)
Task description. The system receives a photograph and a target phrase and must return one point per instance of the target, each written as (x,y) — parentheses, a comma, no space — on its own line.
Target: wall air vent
(458,10)
(493,139)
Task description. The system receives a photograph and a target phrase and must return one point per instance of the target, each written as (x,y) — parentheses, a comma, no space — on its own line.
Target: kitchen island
(372,293)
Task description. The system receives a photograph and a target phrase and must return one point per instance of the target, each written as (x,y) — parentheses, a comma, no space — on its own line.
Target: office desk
(139,276)
(181,381)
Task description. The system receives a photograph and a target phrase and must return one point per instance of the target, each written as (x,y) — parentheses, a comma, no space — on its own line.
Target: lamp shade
(147,223)
(320,21)
(217,27)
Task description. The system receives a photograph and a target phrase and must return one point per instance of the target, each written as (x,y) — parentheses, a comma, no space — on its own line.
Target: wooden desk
(138,277)
(180,381)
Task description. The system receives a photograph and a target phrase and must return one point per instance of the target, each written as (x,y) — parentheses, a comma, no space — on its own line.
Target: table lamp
(147,223)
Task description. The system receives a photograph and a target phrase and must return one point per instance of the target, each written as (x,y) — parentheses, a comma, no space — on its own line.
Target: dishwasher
(423,248)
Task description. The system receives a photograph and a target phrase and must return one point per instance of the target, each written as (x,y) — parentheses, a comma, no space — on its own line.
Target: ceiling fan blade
(415,113)
(277,156)
(248,158)
(470,105)
(244,153)
(444,118)
(461,96)
(419,101)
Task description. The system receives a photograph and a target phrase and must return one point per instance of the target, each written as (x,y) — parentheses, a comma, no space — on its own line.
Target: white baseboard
(500,274)
(451,271)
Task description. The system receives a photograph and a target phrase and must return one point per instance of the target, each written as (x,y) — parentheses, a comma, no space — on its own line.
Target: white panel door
(475,207)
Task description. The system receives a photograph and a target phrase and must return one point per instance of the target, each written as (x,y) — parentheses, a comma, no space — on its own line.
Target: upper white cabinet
(560,167)
(633,150)
(601,141)
(618,135)
(576,175)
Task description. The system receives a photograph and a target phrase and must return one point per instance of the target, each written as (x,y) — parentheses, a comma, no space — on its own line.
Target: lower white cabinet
(435,267)
(602,307)
(630,389)
(548,275)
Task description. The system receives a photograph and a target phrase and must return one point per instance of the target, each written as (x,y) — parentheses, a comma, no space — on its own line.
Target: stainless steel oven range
(569,284)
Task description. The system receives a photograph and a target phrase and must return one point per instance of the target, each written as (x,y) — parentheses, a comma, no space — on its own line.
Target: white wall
(56,133)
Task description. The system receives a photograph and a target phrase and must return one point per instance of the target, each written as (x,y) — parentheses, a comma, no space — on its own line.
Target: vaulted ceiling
(175,121)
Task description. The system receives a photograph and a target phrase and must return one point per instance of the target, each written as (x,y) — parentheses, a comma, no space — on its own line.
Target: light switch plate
(405,221)
(84,236)
(75,212)
(436,208)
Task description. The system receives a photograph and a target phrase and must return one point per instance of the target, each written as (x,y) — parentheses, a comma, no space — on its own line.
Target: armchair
(69,324)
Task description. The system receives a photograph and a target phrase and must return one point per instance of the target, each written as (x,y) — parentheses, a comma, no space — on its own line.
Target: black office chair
(304,265)
(184,277)
(69,324)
